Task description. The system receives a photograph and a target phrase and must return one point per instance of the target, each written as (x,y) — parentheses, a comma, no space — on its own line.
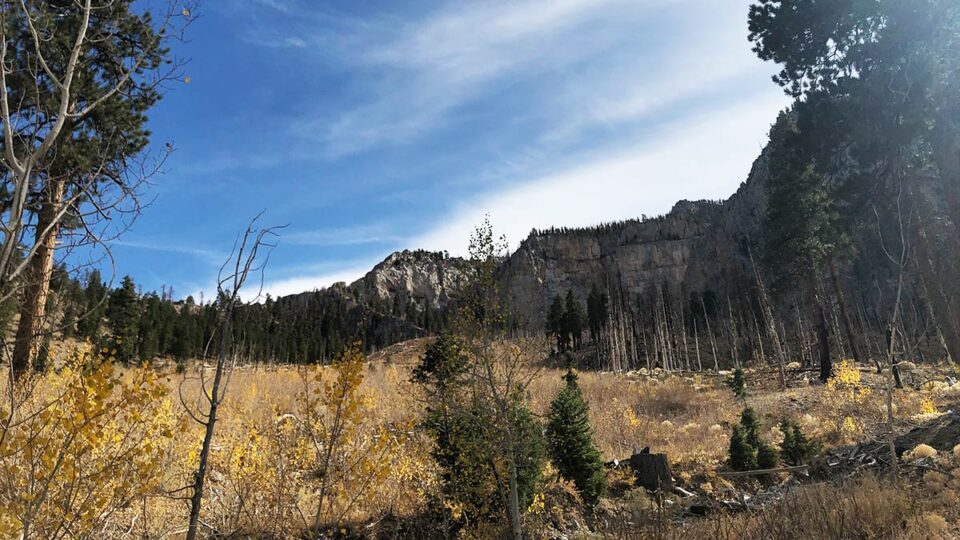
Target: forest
(789,371)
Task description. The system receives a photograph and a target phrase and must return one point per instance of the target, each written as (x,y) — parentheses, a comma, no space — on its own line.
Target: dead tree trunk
(713,343)
(652,471)
(823,332)
(771,324)
(852,339)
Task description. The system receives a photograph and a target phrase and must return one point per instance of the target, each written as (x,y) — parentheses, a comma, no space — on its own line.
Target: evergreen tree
(84,152)
(751,426)
(743,456)
(597,308)
(796,448)
(801,225)
(94,307)
(573,319)
(123,314)
(738,384)
(460,422)
(570,440)
(747,450)
(555,324)
(876,83)
(767,456)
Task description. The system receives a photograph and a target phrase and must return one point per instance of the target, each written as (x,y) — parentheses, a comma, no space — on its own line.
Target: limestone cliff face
(425,280)
(697,246)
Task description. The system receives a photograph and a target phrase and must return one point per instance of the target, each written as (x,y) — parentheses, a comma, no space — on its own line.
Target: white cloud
(343,236)
(427,68)
(209,255)
(704,157)
(310,282)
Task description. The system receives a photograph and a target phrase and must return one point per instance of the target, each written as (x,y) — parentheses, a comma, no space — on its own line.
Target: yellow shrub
(83,444)
(847,399)
(921,451)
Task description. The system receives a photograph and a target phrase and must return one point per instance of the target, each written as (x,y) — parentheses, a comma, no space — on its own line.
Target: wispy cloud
(314,281)
(207,255)
(422,71)
(703,157)
(344,236)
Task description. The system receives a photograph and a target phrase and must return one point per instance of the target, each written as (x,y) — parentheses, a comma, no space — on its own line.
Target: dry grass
(864,508)
(686,416)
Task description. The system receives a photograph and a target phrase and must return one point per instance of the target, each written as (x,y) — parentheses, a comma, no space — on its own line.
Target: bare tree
(249,257)
(900,261)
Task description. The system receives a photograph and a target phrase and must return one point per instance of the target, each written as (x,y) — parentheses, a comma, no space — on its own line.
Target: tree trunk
(770,323)
(823,332)
(516,526)
(847,322)
(652,471)
(944,314)
(215,397)
(34,305)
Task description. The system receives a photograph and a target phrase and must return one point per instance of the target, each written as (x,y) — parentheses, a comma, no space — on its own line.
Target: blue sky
(372,126)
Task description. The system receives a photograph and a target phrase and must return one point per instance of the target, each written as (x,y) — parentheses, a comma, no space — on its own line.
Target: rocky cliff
(698,245)
(423,280)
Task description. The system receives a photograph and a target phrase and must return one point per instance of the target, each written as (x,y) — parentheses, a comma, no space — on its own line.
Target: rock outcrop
(698,245)
(423,279)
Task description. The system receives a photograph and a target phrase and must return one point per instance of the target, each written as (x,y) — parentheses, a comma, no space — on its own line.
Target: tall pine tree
(123,314)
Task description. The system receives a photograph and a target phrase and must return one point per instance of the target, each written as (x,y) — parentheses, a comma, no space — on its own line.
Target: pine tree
(461,425)
(747,450)
(751,427)
(796,448)
(123,314)
(94,307)
(767,456)
(743,456)
(738,384)
(801,224)
(92,152)
(570,440)
(573,319)
(597,308)
(555,323)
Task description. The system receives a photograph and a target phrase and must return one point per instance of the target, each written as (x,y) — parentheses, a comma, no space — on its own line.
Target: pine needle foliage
(747,450)
(738,384)
(796,447)
(570,439)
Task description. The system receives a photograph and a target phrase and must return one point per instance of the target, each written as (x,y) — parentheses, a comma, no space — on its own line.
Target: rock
(906,367)
(699,509)
(427,278)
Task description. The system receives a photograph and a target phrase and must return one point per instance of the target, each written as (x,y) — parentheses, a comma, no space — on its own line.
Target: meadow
(107,452)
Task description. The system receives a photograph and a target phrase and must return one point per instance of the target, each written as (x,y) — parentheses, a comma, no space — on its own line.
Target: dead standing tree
(250,255)
(900,260)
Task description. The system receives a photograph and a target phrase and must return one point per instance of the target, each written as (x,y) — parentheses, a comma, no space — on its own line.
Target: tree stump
(652,471)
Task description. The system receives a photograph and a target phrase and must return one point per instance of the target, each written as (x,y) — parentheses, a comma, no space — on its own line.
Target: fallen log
(760,472)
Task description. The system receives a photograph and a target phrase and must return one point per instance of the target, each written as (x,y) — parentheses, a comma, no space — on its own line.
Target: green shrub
(738,384)
(743,456)
(796,448)
(747,450)
(767,456)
